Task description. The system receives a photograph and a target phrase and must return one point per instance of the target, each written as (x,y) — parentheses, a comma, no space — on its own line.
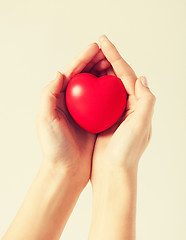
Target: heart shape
(95,103)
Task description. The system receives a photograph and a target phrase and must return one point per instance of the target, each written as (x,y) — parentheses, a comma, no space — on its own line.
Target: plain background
(38,38)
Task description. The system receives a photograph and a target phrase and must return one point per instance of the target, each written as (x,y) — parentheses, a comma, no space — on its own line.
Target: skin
(66,162)
(72,156)
(116,155)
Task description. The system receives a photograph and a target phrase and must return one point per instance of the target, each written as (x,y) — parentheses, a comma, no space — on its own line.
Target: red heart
(95,103)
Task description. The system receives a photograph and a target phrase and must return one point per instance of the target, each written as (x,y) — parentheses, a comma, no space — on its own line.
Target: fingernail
(144,81)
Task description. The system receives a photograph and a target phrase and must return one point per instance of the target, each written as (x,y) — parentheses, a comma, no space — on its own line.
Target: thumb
(145,98)
(49,97)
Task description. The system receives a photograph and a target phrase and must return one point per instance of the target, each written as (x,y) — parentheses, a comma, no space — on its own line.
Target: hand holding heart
(64,143)
(122,145)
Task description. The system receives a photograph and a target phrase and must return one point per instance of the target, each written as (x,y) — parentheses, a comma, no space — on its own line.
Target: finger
(47,108)
(100,66)
(103,73)
(110,71)
(79,63)
(145,100)
(120,66)
(99,56)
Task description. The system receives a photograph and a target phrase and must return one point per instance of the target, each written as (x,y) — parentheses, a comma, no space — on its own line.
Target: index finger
(120,66)
(79,63)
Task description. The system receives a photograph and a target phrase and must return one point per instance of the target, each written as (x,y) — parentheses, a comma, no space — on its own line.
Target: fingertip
(55,85)
(102,39)
(59,75)
(93,45)
(142,90)
(144,81)
(61,79)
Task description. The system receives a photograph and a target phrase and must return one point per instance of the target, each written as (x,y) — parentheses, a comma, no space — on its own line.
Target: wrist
(114,204)
(114,183)
(62,175)
(105,171)
(47,206)
(114,178)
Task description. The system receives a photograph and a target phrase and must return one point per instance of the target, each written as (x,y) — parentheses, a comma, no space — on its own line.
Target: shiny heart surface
(95,103)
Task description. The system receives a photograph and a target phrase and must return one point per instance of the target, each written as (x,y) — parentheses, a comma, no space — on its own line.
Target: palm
(112,141)
(61,138)
(107,141)
(78,141)
(121,142)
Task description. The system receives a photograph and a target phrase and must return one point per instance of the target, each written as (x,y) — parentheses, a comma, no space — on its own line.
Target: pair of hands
(67,147)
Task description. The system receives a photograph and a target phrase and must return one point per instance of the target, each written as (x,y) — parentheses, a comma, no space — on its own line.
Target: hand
(67,151)
(64,143)
(117,152)
(123,144)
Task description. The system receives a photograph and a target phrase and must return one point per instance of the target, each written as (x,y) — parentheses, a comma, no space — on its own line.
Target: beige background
(37,38)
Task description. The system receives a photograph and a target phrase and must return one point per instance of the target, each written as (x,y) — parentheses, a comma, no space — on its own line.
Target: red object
(95,103)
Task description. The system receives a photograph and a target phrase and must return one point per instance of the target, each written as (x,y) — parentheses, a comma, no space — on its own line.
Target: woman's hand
(117,152)
(123,144)
(67,151)
(65,145)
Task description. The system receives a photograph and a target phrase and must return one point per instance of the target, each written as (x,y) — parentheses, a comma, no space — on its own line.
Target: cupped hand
(122,145)
(64,143)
